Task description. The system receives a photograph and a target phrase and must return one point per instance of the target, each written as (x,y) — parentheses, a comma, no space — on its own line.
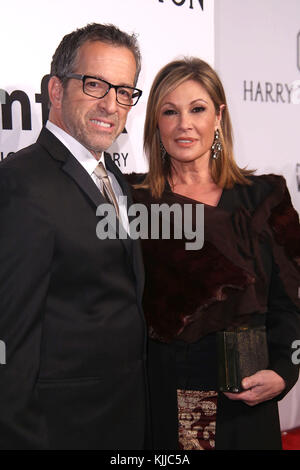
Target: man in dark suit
(70,303)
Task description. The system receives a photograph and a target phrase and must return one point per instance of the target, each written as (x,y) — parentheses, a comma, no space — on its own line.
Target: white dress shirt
(89,163)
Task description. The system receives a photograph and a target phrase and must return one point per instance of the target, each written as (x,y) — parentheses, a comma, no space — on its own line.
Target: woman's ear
(219,115)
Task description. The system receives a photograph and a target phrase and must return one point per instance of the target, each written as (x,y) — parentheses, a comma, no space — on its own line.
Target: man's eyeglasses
(98,88)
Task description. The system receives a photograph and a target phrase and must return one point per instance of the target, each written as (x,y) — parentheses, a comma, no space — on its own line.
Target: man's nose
(109,102)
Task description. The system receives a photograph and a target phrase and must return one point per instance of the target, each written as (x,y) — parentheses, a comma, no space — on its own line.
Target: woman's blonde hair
(224,170)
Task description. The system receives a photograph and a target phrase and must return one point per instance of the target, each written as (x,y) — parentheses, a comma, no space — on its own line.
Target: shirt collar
(83,155)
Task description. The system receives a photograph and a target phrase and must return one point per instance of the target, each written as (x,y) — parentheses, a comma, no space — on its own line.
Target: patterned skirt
(197,419)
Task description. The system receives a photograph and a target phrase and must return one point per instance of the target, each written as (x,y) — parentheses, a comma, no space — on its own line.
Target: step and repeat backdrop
(30,32)
(257,54)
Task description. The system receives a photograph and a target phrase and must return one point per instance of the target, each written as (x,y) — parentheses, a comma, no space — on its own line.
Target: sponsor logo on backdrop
(20,96)
(190,3)
(120,159)
(267,92)
(271,92)
(7,100)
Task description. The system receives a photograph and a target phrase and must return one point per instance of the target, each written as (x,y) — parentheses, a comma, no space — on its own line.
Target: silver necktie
(108,191)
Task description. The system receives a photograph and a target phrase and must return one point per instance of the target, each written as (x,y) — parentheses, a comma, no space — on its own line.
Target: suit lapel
(71,166)
(112,167)
(138,265)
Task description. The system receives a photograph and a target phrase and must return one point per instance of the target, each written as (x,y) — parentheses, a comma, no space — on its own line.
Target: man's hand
(259,387)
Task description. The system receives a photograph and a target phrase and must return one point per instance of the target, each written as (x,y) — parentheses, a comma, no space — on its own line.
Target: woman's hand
(259,387)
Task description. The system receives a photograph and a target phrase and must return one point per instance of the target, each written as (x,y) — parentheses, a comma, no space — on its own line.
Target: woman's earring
(163,151)
(216,147)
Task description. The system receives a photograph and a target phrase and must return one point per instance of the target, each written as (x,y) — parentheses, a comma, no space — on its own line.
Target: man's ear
(55,90)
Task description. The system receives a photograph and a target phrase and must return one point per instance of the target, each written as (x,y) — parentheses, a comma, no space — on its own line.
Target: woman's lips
(185,141)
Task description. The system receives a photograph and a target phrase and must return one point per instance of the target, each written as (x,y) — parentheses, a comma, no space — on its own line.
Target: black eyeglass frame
(83,78)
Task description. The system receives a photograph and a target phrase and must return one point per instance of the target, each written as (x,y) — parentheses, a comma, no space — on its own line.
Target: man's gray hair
(64,58)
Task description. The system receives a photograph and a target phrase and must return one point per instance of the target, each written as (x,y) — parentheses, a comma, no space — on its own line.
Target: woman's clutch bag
(241,353)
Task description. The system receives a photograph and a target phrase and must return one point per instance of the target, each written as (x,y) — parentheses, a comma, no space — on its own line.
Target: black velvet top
(248,270)
(249,260)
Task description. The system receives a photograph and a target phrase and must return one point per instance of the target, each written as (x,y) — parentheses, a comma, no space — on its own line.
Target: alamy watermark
(159,221)
(2,352)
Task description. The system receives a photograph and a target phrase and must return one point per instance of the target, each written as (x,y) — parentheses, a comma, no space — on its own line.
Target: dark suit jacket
(70,310)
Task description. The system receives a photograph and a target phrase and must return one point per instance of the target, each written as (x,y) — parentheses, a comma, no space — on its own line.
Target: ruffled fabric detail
(189,294)
(277,221)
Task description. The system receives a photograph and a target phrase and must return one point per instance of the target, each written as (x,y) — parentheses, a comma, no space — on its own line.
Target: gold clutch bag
(241,352)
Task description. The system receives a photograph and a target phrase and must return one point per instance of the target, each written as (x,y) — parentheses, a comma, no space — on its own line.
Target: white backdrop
(31,32)
(257,54)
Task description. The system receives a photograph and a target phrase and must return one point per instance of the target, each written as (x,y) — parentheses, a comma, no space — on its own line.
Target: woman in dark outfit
(246,274)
